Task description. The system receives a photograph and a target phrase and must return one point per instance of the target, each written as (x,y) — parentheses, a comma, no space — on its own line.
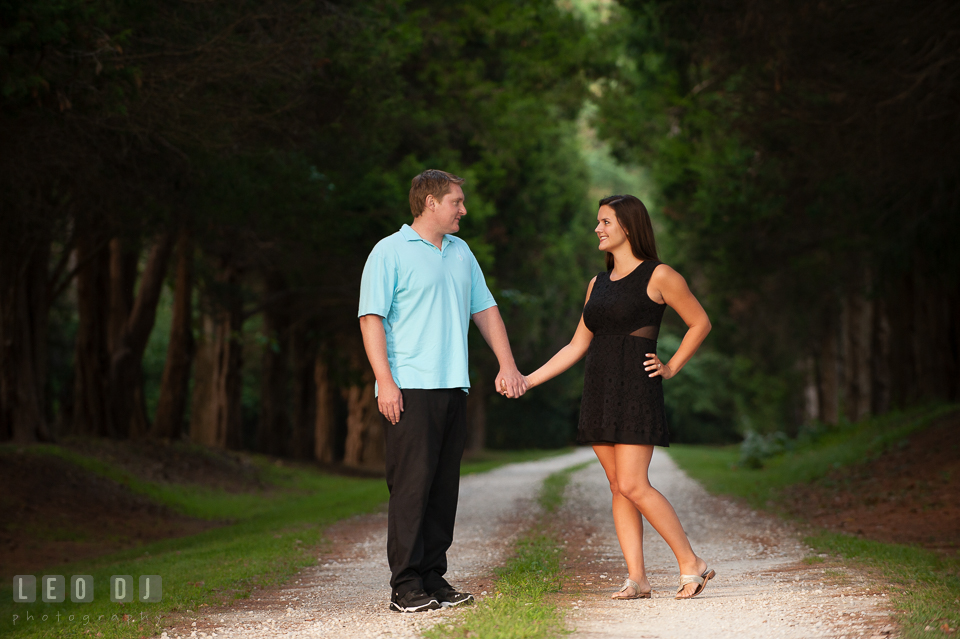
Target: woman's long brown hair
(633,217)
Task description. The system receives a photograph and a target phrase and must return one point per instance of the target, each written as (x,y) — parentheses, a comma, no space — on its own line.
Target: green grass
(551,493)
(924,587)
(716,467)
(518,610)
(192,500)
(271,535)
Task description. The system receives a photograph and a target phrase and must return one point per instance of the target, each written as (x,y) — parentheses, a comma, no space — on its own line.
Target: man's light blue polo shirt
(426,297)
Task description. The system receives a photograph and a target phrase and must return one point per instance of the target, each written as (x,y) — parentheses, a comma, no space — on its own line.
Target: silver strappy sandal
(630,583)
(701,582)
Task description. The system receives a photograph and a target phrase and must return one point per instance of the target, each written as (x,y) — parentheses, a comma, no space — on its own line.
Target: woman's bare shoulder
(666,274)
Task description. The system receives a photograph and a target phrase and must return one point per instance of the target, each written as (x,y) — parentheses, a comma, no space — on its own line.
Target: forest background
(189,190)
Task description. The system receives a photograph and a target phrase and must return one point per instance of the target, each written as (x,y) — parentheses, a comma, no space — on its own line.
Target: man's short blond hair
(431,182)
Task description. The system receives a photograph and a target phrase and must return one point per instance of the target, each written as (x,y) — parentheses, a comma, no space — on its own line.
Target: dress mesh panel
(650,332)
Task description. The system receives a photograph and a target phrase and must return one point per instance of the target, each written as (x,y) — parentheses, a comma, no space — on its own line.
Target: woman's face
(609,231)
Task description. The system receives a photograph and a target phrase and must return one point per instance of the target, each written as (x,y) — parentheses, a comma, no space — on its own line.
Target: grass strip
(518,609)
(924,587)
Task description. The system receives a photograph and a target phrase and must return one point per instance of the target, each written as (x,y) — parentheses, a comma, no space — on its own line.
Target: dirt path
(763,588)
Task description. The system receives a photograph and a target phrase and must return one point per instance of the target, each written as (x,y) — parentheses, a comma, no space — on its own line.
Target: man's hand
(511,383)
(390,401)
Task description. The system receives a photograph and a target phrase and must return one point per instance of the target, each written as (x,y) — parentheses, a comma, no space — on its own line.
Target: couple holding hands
(421,287)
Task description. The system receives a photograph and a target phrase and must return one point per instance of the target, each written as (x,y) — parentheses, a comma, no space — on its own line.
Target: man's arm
(495,333)
(389,398)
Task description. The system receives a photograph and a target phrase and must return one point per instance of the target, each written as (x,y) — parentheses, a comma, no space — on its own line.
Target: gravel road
(346,595)
(763,589)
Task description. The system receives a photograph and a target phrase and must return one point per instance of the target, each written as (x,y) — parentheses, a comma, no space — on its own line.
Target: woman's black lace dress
(621,404)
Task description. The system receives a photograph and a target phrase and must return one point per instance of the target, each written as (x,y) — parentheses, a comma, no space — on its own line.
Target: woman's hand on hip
(656,368)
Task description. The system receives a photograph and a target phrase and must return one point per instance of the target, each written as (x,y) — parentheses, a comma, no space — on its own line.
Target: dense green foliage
(803,154)
(798,160)
(283,136)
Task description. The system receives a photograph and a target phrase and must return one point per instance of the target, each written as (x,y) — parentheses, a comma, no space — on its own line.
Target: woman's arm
(566,356)
(676,294)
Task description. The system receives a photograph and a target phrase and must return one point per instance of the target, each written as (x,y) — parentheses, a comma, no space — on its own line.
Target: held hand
(390,401)
(511,383)
(659,368)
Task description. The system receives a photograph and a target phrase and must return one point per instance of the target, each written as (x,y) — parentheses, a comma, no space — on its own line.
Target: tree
(804,153)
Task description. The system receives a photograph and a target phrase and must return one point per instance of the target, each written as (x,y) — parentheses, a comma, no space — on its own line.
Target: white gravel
(761,590)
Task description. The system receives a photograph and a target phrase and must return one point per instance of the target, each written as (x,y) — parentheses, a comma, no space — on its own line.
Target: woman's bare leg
(626,519)
(632,464)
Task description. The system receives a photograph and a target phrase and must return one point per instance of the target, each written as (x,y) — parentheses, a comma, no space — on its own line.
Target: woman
(622,412)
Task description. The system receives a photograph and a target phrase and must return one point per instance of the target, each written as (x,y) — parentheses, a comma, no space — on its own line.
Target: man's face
(447,212)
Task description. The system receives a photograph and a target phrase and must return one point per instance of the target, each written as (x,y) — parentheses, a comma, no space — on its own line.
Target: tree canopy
(188,192)
(803,154)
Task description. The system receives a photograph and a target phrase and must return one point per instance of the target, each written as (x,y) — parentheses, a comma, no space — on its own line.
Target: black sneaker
(414,601)
(448,597)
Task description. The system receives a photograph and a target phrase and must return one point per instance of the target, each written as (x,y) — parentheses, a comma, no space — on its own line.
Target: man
(420,288)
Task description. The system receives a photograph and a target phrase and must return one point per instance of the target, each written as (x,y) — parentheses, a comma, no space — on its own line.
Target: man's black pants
(424,450)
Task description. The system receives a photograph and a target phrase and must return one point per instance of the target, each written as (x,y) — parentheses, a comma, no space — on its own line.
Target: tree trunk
(811,394)
(857,323)
(325,422)
(91,410)
(215,418)
(365,440)
(364,446)
(864,358)
(304,394)
(274,425)
(128,410)
(953,345)
(828,375)
(174,387)
(880,360)
(914,364)
(24,316)
(476,420)
(123,280)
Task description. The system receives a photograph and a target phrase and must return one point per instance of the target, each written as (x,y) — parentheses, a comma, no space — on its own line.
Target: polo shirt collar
(412,236)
